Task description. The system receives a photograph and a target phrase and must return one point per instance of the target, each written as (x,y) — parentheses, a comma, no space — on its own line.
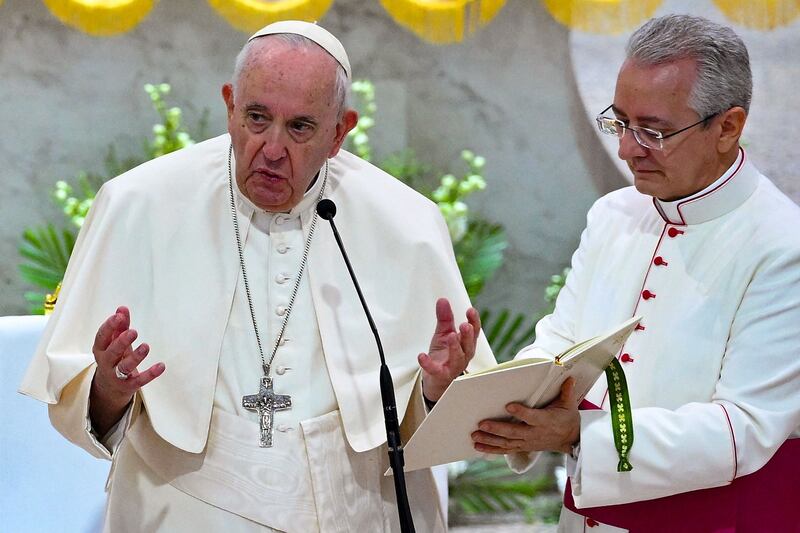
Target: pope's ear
(346,123)
(227,95)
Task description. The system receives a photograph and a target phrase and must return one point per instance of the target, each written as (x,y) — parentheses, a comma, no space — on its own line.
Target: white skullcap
(311,31)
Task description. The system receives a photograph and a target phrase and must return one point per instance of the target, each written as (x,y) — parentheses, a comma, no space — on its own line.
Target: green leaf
(480,253)
(487,486)
(36,299)
(46,251)
(508,334)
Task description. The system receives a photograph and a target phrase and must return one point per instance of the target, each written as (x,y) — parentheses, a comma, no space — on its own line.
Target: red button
(647,295)
(674,232)
(626,358)
(639,327)
(592,523)
(658,261)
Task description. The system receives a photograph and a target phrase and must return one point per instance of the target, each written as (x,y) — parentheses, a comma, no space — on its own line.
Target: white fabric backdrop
(46,483)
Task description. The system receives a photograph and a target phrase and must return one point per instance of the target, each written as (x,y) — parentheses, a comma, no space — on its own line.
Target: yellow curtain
(101,18)
(252,15)
(760,14)
(601,16)
(443,21)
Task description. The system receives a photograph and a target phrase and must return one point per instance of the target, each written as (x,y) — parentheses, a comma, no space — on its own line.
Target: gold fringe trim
(252,15)
(101,18)
(601,16)
(50,300)
(760,14)
(443,21)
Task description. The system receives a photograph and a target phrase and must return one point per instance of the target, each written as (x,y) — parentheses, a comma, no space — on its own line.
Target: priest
(704,248)
(253,403)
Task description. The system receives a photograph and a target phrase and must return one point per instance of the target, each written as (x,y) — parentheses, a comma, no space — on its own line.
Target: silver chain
(266,365)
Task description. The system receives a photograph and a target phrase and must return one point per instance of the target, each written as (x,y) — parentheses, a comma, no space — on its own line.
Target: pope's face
(657,97)
(283,121)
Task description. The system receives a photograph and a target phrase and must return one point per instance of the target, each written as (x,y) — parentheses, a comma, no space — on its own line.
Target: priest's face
(284,120)
(657,97)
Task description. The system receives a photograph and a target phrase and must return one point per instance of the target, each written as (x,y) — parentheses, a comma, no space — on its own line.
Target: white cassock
(186,457)
(714,371)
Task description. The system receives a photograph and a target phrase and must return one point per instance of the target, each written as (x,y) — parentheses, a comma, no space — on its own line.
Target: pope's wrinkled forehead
(310,31)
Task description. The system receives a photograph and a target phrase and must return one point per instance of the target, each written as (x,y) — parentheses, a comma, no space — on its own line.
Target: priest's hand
(450,351)
(113,350)
(552,428)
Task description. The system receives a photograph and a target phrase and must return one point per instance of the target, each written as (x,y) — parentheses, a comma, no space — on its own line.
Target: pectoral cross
(266,402)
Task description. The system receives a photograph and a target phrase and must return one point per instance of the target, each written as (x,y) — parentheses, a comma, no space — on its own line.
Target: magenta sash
(765,501)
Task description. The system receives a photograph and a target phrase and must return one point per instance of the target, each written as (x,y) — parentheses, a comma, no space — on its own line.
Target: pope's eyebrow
(256,107)
(307,119)
(261,108)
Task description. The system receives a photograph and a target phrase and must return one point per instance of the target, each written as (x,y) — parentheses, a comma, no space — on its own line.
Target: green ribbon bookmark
(621,417)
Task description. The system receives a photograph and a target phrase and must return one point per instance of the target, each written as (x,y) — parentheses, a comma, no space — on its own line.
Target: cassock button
(674,232)
(283,341)
(280,310)
(283,428)
(282,248)
(279,220)
(659,261)
(592,523)
(281,370)
(626,358)
(647,294)
(639,327)
(281,278)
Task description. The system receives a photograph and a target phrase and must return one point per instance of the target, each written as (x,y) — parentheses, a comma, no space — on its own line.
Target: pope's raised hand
(450,351)
(114,353)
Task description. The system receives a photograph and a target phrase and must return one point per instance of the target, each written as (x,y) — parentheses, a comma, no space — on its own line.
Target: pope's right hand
(113,350)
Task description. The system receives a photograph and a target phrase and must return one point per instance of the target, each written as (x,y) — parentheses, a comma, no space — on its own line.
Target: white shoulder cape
(159,239)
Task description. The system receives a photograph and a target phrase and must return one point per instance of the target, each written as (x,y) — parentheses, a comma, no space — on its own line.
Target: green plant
(478,243)
(477,486)
(46,249)
(488,486)
(508,333)
(358,136)
(47,252)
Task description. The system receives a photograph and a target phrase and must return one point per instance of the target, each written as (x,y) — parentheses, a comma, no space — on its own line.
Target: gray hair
(341,84)
(723,79)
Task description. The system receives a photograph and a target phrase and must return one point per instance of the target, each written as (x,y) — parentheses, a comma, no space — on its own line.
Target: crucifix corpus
(266,402)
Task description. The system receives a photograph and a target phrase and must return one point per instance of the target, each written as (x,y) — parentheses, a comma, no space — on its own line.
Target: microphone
(327,210)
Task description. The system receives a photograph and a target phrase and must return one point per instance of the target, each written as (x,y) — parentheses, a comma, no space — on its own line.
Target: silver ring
(120,374)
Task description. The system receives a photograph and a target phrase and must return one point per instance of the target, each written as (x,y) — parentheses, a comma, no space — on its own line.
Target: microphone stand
(327,210)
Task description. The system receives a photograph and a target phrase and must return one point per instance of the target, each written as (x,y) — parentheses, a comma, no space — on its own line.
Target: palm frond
(487,486)
(480,253)
(46,251)
(508,333)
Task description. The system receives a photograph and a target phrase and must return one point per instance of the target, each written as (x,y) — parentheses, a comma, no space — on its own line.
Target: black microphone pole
(327,210)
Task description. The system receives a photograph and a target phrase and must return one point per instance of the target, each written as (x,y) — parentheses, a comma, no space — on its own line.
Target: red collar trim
(691,204)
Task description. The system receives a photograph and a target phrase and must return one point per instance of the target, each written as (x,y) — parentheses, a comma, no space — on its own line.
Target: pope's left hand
(553,428)
(450,351)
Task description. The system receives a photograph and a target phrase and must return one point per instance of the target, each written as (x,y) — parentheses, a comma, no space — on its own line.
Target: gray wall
(508,93)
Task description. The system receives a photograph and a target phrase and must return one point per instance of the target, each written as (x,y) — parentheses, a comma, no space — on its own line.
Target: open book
(444,435)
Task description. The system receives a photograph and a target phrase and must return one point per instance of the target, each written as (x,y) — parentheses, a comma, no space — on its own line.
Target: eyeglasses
(649,138)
